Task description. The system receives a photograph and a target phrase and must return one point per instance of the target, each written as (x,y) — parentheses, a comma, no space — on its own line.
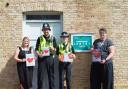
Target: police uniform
(47,65)
(102,74)
(65,67)
(25,73)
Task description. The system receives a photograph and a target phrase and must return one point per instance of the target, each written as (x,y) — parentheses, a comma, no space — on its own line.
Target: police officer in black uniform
(65,67)
(47,65)
(101,76)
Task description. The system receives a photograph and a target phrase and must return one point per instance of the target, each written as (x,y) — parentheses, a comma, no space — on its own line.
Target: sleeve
(54,42)
(37,44)
(110,43)
(94,44)
(30,48)
(19,47)
(72,48)
(57,51)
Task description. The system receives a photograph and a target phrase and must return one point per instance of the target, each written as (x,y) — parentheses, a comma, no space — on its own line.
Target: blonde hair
(24,40)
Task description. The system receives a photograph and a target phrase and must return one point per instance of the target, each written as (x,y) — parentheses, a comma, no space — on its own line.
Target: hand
(40,54)
(91,50)
(72,56)
(24,60)
(52,48)
(103,61)
(61,57)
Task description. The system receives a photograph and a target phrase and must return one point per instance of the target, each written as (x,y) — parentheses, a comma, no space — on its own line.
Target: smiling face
(65,39)
(103,34)
(25,42)
(46,31)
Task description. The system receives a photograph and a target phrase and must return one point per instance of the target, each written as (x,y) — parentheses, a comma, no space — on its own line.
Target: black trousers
(101,76)
(25,75)
(65,69)
(48,73)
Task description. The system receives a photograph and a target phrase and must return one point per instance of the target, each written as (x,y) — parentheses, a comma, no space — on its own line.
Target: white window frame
(41,21)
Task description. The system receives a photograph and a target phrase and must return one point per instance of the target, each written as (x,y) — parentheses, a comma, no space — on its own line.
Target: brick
(78,16)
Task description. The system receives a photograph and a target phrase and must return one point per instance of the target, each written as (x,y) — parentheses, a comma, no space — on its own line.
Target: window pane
(43,17)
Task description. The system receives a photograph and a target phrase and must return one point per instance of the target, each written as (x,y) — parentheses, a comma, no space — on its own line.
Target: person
(25,73)
(65,66)
(101,75)
(47,64)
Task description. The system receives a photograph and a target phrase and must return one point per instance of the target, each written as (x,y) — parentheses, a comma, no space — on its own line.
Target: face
(65,39)
(103,35)
(46,32)
(26,42)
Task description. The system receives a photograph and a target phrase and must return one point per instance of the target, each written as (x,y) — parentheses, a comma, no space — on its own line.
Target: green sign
(82,42)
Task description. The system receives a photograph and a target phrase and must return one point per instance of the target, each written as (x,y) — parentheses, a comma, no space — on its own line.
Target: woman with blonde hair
(25,73)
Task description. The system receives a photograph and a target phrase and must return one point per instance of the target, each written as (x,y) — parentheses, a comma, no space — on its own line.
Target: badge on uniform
(45,51)
(30,60)
(96,57)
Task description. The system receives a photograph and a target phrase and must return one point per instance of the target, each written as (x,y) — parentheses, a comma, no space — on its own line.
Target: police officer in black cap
(47,60)
(65,66)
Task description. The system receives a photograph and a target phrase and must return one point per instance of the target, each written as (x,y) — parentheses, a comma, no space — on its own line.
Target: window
(43,17)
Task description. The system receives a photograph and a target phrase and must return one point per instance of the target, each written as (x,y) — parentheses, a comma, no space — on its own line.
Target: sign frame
(83,35)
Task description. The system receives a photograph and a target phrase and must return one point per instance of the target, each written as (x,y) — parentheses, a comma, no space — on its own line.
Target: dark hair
(102,30)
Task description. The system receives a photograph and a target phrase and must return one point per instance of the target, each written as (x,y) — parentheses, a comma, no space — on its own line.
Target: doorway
(32,28)
(33,21)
